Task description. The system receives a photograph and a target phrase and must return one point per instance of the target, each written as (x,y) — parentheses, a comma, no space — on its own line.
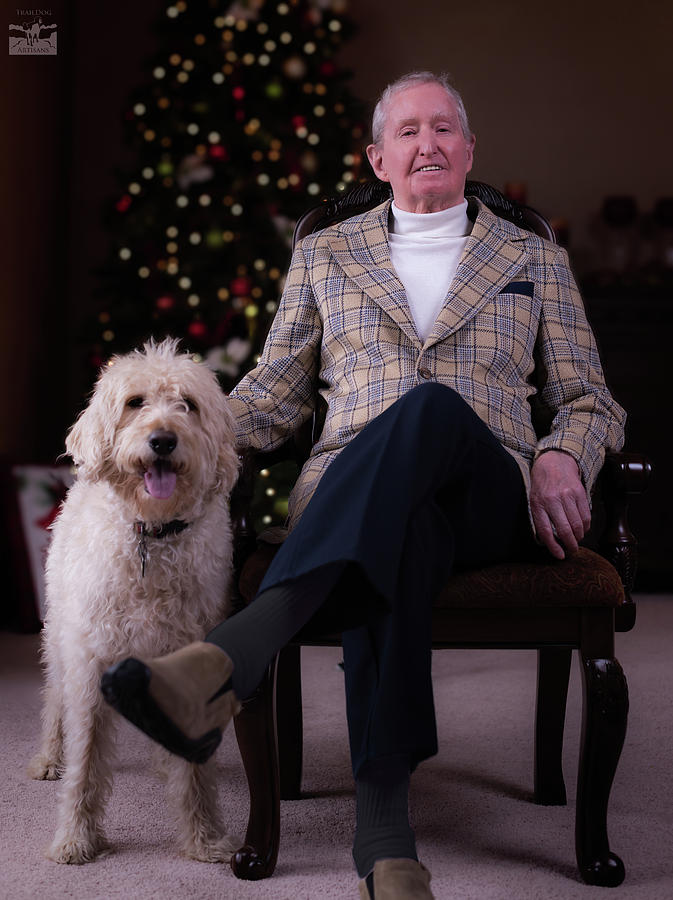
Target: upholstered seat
(586,579)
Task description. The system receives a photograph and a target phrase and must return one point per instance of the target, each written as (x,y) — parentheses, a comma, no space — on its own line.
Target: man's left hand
(558,503)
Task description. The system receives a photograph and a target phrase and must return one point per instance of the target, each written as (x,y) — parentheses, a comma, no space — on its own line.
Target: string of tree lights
(245,120)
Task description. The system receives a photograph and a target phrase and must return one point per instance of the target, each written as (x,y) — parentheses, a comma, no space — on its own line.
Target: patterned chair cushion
(585,579)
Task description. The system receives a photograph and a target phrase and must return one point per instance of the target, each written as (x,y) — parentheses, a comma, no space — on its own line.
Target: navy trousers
(424,490)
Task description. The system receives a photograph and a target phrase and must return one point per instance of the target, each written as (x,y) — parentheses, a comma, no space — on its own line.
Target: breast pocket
(505,331)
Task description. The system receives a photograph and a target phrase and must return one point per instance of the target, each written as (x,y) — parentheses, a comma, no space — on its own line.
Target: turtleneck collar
(451,222)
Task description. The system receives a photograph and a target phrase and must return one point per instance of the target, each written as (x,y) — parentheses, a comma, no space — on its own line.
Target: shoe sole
(126,688)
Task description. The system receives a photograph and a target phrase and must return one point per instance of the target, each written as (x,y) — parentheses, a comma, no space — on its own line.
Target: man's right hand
(558,502)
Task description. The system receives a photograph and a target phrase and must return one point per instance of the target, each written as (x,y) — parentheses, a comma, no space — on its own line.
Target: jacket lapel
(361,248)
(492,257)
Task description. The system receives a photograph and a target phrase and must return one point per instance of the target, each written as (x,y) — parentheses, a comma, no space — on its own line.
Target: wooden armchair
(553,607)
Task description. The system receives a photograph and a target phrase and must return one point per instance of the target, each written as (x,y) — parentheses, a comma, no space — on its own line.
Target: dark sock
(253,636)
(382,823)
(369,880)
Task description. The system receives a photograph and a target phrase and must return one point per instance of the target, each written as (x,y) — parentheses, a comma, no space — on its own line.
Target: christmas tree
(245,121)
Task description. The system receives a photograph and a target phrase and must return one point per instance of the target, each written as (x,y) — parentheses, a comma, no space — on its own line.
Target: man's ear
(470,152)
(375,157)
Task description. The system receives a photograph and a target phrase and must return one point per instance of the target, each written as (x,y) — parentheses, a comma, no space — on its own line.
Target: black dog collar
(161,531)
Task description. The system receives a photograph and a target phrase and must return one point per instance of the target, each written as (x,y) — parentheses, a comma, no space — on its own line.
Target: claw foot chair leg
(256,736)
(289,721)
(606,707)
(553,674)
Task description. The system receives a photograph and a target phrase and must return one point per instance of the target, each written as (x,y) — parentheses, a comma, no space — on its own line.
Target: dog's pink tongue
(160,482)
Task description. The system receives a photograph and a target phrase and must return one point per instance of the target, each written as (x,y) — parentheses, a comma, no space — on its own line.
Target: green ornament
(214,238)
(200,107)
(274,90)
(280,507)
(165,167)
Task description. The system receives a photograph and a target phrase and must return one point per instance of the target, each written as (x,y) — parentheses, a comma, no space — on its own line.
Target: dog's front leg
(88,775)
(47,764)
(194,792)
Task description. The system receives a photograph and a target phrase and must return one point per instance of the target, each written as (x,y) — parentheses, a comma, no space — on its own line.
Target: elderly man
(428,324)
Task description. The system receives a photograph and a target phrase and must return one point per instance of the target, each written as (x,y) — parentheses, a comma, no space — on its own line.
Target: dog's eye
(191,406)
(135,402)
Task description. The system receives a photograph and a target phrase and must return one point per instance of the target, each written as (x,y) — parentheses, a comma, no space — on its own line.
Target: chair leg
(256,736)
(553,673)
(605,713)
(289,721)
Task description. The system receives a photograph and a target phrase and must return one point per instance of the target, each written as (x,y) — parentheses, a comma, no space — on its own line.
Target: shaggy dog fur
(101,607)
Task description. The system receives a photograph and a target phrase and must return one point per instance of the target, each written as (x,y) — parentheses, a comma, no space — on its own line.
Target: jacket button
(424,373)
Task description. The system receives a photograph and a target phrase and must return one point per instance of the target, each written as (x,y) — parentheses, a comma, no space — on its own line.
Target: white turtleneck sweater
(425,249)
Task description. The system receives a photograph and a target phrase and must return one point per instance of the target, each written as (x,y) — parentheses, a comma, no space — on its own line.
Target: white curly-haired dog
(139,564)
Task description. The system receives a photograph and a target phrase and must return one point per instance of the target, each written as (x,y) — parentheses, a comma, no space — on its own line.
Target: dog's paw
(76,851)
(42,768)
(217,850)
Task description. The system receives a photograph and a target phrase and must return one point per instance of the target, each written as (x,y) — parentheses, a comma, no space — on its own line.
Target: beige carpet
(477,830)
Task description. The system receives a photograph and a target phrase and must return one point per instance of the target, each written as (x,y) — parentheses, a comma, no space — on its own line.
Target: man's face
(423,154)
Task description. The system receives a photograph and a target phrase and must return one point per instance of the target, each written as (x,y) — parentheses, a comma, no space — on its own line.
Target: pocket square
(519,287)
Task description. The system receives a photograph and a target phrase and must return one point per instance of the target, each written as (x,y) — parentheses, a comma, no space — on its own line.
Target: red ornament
(48,519)
(241,286)
(57,492)
(123,203)
(165,302)
(238,93)
(327,68)
(197,329)
(217,151)
(239,115)
(298,121)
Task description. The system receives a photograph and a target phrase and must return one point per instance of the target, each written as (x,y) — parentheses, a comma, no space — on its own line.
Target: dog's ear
(90,439)
(219,427)
(228,462)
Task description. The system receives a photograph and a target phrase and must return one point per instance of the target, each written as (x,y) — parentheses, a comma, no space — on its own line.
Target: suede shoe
(183,700)
(398,879)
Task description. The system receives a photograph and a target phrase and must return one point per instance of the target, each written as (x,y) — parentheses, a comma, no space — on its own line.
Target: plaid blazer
(512,331)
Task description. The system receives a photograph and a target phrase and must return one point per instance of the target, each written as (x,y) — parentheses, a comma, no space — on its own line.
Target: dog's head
(159,429)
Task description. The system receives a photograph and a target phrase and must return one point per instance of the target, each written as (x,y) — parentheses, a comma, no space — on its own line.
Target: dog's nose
(163,442)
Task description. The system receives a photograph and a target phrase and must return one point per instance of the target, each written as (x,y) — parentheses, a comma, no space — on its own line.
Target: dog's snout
(163,442)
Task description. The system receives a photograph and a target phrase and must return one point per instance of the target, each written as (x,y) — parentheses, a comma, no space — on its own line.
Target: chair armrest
(296,449)
(240,504)
(628,473)
(623,475)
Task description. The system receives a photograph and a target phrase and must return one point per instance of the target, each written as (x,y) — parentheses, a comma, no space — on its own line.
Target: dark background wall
(573,99)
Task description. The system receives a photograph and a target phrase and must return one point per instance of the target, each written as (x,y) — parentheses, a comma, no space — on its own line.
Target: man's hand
(558,502)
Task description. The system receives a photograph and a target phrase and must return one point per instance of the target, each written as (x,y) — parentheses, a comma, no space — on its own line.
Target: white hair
(415,79)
